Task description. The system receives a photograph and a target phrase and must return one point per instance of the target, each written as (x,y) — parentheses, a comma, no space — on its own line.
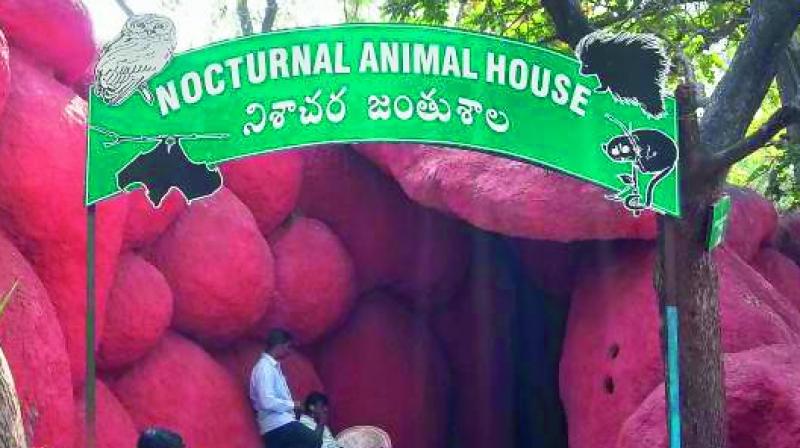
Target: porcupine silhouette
(166,166)
(632,67)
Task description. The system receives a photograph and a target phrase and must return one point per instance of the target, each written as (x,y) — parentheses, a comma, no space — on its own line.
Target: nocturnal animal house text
(307,60)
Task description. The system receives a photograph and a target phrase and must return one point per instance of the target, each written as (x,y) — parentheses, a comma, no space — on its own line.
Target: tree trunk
(789,81)
(685,277)
(11,429)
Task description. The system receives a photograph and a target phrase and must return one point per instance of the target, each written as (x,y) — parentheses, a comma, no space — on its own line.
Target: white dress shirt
(270,395)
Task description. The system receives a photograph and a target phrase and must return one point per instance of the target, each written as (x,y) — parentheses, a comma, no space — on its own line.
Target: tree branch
(244,17)
(789,82)
(682,61)
(779,121)
(462,6)
(570,21)
(124,7)
(741,91)
(270,13)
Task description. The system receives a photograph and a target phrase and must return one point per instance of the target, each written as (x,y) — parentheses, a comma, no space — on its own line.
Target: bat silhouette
(166,166)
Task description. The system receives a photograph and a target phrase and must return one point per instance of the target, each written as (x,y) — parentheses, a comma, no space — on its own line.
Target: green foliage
(417,11)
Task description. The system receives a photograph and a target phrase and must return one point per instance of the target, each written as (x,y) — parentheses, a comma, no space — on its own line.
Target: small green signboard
(718,222)
(366,83)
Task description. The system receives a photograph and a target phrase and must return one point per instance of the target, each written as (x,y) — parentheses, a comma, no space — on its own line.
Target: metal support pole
(670,334)
(90,328)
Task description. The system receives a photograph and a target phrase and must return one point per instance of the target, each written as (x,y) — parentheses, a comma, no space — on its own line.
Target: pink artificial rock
(612,351)
(301,376)
(505,196)
(753,221)
(787,236)
(314,280)
(367,211)
(300,373)
(113,428)
(42,176)
(138,312)
(268,185)
(741,281)
(384,368)
(220,269)
(5,71)
(394,243)
(146,223)
(781,272)
(58,33)
(477,332)
(34,347)
(763,403)
(179,386)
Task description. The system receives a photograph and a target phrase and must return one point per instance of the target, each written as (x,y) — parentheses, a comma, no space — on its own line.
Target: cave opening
(517,357)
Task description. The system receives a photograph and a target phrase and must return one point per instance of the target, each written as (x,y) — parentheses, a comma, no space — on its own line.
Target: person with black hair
(159,438)
(272,399)
(315,416)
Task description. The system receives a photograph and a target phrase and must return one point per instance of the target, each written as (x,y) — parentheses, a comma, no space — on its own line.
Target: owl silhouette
(141,50)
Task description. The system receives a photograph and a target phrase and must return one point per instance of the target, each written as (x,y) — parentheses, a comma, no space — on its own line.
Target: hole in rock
(608,385)
(613,351)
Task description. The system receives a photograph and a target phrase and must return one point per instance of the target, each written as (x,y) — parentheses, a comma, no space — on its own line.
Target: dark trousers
(292,435)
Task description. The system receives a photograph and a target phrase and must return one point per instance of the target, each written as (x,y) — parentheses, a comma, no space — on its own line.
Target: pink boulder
(763,403)
(741,281)
(146,223)
(781,272)
(787,236)
(368,212)
(42,175)
(505,196)
(58,33)
(220,269)
(268,185)
(385,369)
(753,221)
(34,346)
(393,242)
(612,351)
(179,386)
(314,280)
(242,357)
(138,313)
(113,428)
(477,332)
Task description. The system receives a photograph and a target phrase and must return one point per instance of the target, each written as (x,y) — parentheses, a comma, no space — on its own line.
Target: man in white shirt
(272,400)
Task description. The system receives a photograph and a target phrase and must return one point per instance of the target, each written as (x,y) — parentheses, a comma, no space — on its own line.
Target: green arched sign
(158,124)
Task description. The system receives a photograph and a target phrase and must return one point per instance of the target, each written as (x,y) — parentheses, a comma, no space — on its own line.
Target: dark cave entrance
(519,355)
